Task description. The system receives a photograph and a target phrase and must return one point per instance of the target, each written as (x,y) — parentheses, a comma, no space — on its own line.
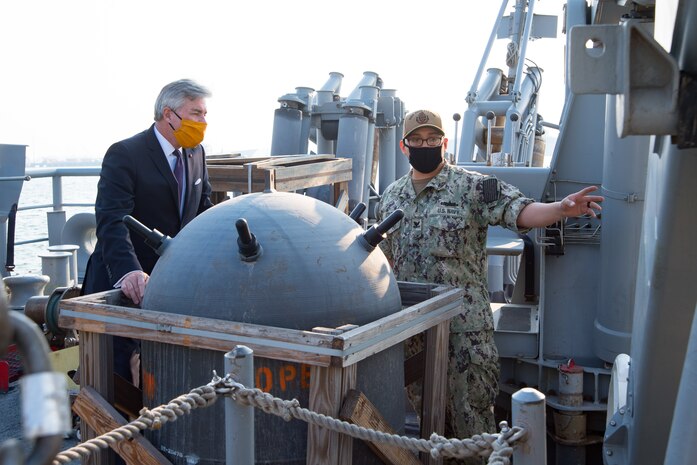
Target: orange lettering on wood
(148,385)
(287,373)
(268,379)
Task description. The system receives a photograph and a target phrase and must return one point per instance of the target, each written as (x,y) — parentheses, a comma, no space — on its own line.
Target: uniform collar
(438,182)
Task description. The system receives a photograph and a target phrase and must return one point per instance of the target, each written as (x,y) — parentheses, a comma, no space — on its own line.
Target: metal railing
(56,222)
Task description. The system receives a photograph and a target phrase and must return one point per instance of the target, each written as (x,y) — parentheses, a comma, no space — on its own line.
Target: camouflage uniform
(442,239)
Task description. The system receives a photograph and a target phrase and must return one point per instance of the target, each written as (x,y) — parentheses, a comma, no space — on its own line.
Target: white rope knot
(285,408)
(243,397)
(503,444)
(519,435)
(438,443)
(501,453)
(149,418)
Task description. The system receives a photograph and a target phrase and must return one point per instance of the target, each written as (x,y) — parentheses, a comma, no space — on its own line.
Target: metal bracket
(625,60)
(163,328)
(616,439)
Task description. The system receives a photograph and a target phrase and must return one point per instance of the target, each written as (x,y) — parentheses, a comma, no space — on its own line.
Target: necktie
(179,173)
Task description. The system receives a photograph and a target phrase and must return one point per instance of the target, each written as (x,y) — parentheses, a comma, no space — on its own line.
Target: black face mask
(425,159)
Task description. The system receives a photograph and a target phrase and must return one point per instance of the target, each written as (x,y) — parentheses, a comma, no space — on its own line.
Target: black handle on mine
(153,238)
(376,233)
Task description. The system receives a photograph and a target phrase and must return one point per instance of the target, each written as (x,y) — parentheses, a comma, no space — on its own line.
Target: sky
(83,74)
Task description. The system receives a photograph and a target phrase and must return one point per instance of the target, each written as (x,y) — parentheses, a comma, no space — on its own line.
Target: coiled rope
(497,446)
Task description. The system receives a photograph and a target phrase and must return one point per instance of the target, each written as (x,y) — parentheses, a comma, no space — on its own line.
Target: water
(32,224)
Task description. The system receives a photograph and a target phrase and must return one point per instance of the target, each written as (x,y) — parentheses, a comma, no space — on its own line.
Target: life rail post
(528,412)
(239,419)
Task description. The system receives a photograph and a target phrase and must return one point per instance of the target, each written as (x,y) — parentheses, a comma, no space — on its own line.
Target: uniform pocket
(447,237)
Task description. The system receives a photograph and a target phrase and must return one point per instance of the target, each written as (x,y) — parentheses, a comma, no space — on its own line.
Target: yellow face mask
(190,133)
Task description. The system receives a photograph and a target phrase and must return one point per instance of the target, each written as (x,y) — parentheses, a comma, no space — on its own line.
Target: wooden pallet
(332,353)
(282,173)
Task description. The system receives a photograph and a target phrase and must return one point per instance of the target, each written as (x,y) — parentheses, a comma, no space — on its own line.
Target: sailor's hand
(581,203)
(133,286)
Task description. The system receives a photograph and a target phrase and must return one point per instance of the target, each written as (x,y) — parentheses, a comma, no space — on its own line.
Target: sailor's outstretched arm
(537,214)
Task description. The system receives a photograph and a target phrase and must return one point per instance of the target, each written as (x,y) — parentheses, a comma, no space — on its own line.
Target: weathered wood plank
(235,186)
(96,370)
(166,320)
(372,338)
(349,378)
(317,180)
(269,181)
(288,173)
(432,305)
(266,341)
(260,346)
(234,178)
(102,417)
(325,398)
(348,382)
(337,170)
(434,385)
(234,159)
(340,196)
(346,327)
(295,160)
(440,289)
(357,409)
(324,330)
(224,169)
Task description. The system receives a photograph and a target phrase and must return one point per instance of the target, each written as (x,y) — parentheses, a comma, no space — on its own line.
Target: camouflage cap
(422,118)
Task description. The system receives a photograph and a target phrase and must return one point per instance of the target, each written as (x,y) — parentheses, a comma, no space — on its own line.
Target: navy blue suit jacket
(136,180)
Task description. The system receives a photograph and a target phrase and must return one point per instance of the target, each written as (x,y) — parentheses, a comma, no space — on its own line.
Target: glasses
(433,141)
(195,112)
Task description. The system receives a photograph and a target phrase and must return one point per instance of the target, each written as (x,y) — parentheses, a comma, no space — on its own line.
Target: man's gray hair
(175,94)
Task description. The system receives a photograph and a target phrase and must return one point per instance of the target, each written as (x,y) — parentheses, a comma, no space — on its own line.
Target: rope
(498,446)
(202,396)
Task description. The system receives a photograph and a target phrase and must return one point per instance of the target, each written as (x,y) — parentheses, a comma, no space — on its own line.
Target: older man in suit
(159,177)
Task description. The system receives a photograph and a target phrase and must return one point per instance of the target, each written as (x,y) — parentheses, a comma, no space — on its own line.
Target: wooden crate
(283,173)
(332,354)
